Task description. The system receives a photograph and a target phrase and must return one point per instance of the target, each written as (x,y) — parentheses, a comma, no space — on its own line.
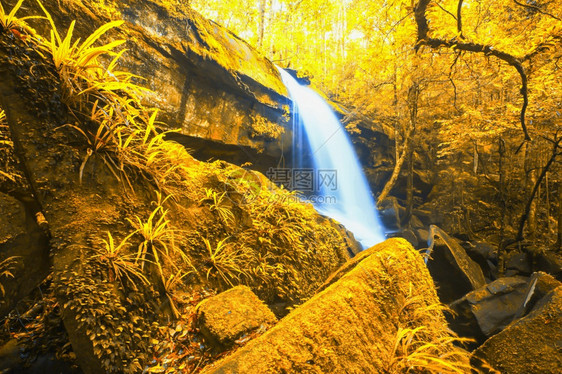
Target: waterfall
(326,168)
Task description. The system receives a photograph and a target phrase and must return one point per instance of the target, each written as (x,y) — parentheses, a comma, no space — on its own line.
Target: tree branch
(525,215)
(423,39)
(446,11)
(459,18)
(536,8)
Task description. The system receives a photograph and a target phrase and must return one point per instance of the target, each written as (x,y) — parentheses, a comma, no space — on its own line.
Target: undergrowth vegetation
(205,225)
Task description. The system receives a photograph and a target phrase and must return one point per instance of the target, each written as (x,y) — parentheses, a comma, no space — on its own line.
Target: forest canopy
(472,84)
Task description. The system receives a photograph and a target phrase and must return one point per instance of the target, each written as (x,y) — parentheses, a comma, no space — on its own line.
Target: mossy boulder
(232,315)
(355,324)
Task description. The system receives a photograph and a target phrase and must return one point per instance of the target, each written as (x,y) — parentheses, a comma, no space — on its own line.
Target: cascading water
(341,190)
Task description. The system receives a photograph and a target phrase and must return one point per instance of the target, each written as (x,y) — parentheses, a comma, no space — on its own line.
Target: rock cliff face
(226,100)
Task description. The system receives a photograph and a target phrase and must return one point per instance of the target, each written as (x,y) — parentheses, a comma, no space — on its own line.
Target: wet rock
(518,264)
(454,273)
(389,213)
(538,286)
(531,345)
(351,325)
(488,310)
(410,236)
(25,242)
(231,315)
(549,263)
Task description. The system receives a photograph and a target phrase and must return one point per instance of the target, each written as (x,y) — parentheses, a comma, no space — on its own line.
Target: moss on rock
(374,319)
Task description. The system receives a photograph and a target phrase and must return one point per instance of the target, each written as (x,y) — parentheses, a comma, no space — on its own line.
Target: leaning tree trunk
(559,234)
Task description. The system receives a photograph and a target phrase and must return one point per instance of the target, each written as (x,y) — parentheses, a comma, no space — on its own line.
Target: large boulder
(488,310)
(538,286)
(454,272)
(531,345)
(353,325)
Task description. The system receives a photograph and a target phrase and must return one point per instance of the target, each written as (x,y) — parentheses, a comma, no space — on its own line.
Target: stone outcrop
(488,310)
(232,315)
(207,82)
(350,326)
(531,345)
(454,272)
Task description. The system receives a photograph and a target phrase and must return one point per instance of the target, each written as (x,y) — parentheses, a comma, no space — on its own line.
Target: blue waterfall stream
(326,168)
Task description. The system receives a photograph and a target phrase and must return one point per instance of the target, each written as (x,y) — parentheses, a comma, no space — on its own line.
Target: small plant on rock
(120,262)
(224,263)
(6,270)
(9,22)
(216,204)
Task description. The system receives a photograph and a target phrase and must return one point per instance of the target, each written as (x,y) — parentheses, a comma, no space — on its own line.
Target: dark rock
(530,345)
(409,235)
(454,273)
(389,213)
(549,263)
(429,217)
(9,355)
(518,263)
(22,239)
(479,254)
(488,310)
(416,223)
(231,315)
(12,362)
(485,250)
(538,286)
(423,236)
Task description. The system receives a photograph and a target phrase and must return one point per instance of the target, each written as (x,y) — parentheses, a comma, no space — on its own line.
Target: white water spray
(341,190)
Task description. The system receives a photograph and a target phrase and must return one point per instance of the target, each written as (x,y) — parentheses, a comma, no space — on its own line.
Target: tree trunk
(413,94)
(261,23)
(409,189)
(559,235)
(528,206)
(501,257)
